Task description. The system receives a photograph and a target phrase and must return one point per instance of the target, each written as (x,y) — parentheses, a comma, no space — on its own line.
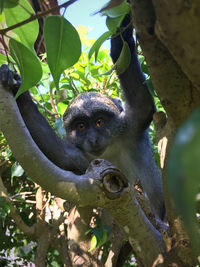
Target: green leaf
(2,4)
(103,239)
(99,235)
(61,108)
(89,230)
(150,86)
(143,63)
(98,43)
(63,45)
(184,171)
(122,9)
(5,207)
(27,33)
(124,59)
(28,63)
(3,59)
(93,244)
(114,23)
(109,72)
(7,4)
(16,170)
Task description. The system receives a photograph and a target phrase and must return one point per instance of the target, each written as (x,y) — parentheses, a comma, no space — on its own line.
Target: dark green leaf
(28,63)
(99,236)
(27,33)
(124,59)
(2,4)
(89,230)
(184,172)
(63,45)
(98,233)
(107,72)
(122,9)
(5,207)
(98,43)
(9,3)
(114,23)
(150,86)
(107,229)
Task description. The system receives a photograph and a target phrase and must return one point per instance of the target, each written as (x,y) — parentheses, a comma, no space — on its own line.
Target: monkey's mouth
(97,151)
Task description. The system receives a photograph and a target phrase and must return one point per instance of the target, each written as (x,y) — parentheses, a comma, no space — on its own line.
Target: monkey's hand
(125,33)
(9,79)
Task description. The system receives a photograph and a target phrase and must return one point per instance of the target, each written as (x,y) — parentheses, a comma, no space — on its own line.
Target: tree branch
(42,106)
(36,16)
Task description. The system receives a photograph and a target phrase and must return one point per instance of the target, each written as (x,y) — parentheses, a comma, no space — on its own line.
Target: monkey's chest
(121,157)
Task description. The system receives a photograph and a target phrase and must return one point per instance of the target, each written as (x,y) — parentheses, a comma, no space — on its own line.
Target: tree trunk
(166,31)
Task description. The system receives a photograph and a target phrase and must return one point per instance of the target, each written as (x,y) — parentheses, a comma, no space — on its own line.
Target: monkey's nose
(94,142)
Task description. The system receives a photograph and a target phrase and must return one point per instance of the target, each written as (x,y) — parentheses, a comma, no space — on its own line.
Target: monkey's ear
(118,103)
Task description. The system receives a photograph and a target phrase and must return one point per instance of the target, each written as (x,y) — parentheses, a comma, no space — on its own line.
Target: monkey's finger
(6,75)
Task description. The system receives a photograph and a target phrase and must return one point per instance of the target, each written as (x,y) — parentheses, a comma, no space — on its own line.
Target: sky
(81,13)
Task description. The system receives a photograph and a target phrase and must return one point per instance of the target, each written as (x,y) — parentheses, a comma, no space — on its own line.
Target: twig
(74,88)
(36,16)
(46,109)
(51,101)
(5,47)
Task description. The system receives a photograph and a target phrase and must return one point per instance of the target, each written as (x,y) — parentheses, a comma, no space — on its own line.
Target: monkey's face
(93,134)
(92,121)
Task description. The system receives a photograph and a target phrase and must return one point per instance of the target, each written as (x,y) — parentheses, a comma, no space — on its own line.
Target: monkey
(100,126)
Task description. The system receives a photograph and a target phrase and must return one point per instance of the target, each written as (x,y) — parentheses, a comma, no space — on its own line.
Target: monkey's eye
(80,126)
(99,122)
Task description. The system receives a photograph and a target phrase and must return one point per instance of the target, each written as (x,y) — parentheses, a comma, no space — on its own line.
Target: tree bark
(166,31)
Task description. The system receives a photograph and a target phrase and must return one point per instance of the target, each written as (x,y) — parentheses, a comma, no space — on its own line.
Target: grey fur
(115,141)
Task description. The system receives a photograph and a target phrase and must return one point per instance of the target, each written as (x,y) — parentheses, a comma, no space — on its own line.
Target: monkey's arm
(136,93)
(62,153)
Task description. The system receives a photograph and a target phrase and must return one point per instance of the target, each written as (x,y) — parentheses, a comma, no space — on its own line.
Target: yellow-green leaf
(93,244)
